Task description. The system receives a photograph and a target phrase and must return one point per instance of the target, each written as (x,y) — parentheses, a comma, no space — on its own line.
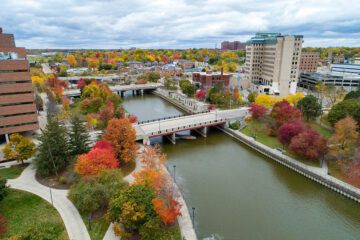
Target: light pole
(193,216)
(52,203)
(174,166)
(89,219)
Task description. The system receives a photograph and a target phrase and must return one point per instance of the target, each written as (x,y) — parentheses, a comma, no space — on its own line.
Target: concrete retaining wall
(310,172)
(172,101)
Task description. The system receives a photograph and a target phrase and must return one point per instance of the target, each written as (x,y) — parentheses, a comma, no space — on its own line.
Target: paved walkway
(73,222)
(186,228)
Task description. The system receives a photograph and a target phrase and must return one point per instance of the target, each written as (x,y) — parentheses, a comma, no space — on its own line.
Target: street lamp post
(89,219)
(174,166)
(193,216)
(52,203)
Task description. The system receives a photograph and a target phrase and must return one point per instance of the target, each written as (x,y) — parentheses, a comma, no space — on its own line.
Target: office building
(236,45)
(273,63)
(18,112)
(208,79)
(309,61)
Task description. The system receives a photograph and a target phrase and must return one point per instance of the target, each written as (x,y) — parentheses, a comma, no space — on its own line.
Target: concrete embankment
(174,102)
(313,173)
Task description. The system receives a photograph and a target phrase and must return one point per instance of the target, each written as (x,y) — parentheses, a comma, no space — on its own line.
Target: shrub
(3,225)
(235,125)
(62,180)
(4,190)
(93,193)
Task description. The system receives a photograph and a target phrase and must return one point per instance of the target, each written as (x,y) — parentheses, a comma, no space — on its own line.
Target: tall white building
(273,63)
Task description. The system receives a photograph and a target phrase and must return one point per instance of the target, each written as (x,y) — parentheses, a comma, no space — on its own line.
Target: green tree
(53,149)
(342,109)
(251,97)
(63,72)
(19,148)
(353,95)
(310,107)
(79,138)
(4,190)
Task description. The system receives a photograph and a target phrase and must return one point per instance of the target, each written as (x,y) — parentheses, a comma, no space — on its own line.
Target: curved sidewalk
(74,224)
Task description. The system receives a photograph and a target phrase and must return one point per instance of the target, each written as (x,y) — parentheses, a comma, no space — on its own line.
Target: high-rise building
(273,63)
(309,61)
(18,112)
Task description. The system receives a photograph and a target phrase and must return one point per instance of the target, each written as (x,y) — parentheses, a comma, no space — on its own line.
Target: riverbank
(313,173)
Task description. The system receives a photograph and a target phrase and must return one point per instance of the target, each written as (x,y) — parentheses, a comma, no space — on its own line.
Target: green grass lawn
(11,172)
(98,227)
(23,210)
(326,133)
(255,127)
(324,120)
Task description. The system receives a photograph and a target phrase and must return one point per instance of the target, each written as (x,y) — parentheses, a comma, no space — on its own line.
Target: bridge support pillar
(138,92)
(133,92)
(122,93)
(171,137)
(202,131)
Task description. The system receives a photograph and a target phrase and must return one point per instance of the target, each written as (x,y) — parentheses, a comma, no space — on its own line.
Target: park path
(74,224)
(186,227)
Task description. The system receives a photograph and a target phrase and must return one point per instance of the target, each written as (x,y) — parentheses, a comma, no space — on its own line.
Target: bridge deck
(167,126)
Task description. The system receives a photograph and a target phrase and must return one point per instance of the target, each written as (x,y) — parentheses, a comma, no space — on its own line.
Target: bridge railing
(187,127)
(171,117)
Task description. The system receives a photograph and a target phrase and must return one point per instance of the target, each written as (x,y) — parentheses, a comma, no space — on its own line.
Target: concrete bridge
(120,89)
(197,122)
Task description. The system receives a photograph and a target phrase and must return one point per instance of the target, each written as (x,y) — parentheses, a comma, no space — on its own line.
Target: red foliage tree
(81,83)
(167,212)
(201,94)
(96,160)
(289,130)
(308,144)
(257,111)
(107,112)
(353,172)
(101,144)
(287,113)
(176,56)
(133,119)
(277,106)
(3,225)
(211,107)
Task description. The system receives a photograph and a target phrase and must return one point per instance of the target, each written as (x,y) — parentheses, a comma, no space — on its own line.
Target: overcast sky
(176,24)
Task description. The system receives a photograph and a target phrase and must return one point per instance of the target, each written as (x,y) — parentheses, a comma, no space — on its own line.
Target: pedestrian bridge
(120,89)
(198,122)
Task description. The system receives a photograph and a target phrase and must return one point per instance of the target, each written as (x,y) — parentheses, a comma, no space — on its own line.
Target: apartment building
(273,63)
(18,112)
(309,61)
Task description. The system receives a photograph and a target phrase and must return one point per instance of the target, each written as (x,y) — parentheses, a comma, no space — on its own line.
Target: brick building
(309,61)
(208,79)
(18,112)
(236,45)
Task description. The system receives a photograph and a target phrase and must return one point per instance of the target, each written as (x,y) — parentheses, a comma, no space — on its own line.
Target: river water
(239,194)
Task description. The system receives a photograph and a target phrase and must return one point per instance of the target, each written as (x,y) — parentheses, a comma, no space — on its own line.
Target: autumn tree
(310,107)
(289,130)
(308,144)
(257,111)
(201,94)
(71,59)
(293,99)
(266,100)
(167,213)
(121,135)
(19,148)
(79,138)
(343,142)
(96,160)
(236,98)
(132,207)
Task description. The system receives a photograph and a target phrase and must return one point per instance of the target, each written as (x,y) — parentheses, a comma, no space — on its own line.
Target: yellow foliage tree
(293,99)
(266,100)
(71,59)
(38,83)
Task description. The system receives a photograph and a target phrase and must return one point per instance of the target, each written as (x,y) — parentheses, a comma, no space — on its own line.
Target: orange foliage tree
(96,160)
(167,212)
(121,136)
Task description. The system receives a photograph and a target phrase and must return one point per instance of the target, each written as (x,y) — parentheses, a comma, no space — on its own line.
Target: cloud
(175,23)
